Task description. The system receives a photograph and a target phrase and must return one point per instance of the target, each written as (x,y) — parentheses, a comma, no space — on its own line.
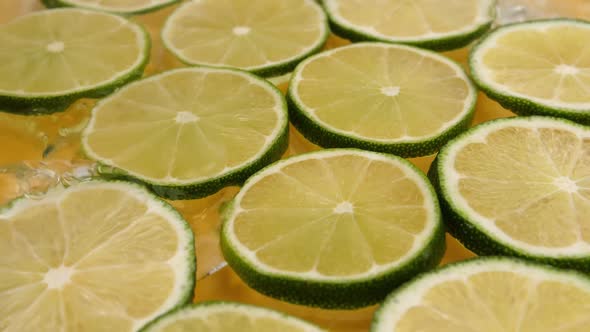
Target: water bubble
(33,179)
(513,11)
(510,12)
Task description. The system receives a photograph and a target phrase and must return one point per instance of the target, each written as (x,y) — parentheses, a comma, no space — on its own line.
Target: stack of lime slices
(537,67)
(125,7)
(520,186)
(189,132)
(381,97)
(437,25)
(102,53)
(266,37)
(228,317)
(84,259)
(489,295)
(335,228)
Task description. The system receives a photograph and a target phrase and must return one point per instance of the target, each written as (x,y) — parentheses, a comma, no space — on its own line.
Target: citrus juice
(56,137)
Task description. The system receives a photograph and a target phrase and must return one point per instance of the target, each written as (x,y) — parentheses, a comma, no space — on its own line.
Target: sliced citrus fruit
(489,295)
(228,317)
(84,259)
(266,37)
(381,97)
(519,186)
(537,67)
(334,228)
(438,25)
(189,132)
(56,64)
(113,6)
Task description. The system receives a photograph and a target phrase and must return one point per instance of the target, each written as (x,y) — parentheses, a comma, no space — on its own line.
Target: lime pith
(103,52)
(335,228)
(189,132)
(536,68)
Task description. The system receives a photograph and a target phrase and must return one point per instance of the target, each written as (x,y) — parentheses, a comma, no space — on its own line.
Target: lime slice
(489,295)
(101,53)
(266,37)
(335,228)
(437,25)
(537,67)
(83,259)
(189,132)
(228,317)
(520,186)
(113,6)
(381,97)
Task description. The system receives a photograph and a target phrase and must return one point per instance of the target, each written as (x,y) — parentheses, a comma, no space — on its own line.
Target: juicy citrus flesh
(332,215)
(84,259)
(541,61)
(489,297)
(186,125)
(244,34)
(118,5)
(229,317)
(384,93)
(40,47)
(527,181)
(417,19)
